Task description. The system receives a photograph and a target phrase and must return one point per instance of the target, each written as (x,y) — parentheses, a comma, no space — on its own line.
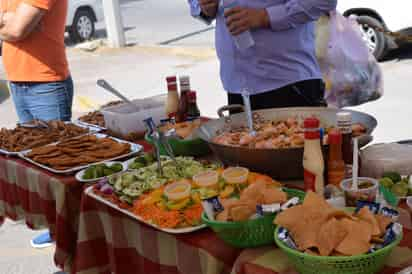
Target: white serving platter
(135,149)
(89,192)
(91,131)
(79,175)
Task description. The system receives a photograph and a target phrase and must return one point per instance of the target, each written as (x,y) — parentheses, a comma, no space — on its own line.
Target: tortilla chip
(383,222)
(312,252)
(254,192)
(241,213)
(366,215)
(305,231)
(274,195)
(377,240)
(330,235)
(313,200)
(289,217)
(357,241)
(229,203)
(223,216)
(337,254)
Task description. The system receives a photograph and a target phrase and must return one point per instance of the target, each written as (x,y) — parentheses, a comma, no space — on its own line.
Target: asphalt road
(140,72)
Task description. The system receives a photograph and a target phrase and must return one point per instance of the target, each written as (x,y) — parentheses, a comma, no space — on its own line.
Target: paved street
(140,70)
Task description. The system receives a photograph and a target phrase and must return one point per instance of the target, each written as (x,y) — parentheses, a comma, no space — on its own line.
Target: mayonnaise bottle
(313,163)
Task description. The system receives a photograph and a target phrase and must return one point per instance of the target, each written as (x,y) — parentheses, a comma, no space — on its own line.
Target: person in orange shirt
(36,66)
(35,60)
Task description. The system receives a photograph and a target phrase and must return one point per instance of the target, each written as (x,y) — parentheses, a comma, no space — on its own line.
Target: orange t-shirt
(41,56)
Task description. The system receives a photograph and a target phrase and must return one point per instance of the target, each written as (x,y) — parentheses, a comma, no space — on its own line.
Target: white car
(394,15)
(81,18)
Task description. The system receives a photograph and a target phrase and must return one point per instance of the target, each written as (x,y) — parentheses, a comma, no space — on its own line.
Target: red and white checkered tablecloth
(43,200)
(111,242)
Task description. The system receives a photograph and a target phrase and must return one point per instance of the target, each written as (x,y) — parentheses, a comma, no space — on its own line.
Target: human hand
(240,19)
(209,7)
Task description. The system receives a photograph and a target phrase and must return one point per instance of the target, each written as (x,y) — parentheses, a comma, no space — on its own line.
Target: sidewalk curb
(202,53)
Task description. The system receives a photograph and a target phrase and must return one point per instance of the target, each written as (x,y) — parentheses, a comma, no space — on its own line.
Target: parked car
(391,16)
(81,18)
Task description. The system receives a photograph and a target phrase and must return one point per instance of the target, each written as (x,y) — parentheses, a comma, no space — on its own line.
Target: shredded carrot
(193,214)
(162,218)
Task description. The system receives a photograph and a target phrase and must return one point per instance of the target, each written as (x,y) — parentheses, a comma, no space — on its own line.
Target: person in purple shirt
(280,69)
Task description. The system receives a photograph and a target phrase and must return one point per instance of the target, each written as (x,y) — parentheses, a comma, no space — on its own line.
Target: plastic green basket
(252,233)
(196,147)
(363,264)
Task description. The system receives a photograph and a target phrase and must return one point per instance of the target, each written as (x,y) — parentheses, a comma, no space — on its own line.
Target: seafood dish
(273,135)
(78,151)
(25,137)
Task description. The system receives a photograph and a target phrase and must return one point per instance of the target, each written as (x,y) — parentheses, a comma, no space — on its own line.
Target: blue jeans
(44,101)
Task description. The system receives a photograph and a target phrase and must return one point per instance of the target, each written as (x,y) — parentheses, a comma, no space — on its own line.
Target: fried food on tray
(78,151)
(96,117)
(23,138)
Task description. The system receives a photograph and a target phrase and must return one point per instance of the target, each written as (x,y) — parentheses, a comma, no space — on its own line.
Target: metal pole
(114,24)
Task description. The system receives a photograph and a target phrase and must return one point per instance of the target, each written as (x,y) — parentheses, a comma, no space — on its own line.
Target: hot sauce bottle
(193,111)
(344,123)
(336,165)
(313,163)
(183,103)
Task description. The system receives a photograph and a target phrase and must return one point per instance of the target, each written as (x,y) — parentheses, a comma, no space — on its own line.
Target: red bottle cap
(335,137)
(171,79)
(311,123)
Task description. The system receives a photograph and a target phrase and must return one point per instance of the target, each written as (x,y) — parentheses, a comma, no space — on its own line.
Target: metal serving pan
(279,163)
(134,149)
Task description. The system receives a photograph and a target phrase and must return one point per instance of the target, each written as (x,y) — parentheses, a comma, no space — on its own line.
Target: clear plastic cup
(362,194)
(206,179)
(235,175)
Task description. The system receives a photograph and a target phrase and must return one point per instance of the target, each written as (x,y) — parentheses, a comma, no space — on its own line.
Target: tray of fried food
(78,153)
(96,118)
(37,133)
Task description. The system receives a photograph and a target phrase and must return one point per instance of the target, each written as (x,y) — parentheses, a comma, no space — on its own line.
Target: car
(81,18)
(372,15)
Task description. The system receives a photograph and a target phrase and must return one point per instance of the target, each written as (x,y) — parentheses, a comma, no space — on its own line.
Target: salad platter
(173,201)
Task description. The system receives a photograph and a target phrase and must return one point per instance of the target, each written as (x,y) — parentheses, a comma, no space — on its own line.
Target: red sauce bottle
(336,165)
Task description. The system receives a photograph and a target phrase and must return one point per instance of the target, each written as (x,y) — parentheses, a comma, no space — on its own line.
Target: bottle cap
(335,137)
(311,123)
(171,79)
(344,117)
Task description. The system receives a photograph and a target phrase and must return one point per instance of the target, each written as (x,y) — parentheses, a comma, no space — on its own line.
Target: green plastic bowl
(194,147)
(389,196)
(251,233)
(362,264)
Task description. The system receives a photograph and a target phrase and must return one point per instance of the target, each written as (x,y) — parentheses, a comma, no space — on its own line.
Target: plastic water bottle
(244,40)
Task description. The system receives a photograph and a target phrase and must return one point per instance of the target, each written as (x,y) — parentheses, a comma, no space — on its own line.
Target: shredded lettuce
(131,185)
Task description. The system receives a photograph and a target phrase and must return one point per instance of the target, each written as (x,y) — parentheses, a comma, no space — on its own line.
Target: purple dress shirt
(282,55)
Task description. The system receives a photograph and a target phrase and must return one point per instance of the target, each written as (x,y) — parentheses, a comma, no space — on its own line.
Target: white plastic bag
(352,74)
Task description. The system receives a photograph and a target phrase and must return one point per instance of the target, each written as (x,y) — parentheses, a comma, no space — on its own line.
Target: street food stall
(196,195)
